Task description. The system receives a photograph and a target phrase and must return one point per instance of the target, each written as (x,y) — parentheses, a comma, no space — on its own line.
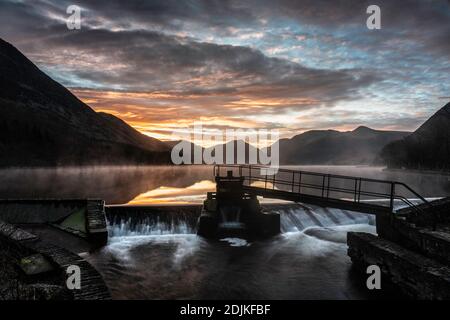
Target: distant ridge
(331,147)
(44,124)
(324,147)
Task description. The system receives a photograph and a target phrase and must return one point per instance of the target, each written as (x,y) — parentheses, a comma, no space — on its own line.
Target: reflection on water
(166,184)
(116,185)
(191,194)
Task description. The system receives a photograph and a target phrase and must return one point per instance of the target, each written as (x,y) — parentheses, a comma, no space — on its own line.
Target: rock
(42,291)
(35,264)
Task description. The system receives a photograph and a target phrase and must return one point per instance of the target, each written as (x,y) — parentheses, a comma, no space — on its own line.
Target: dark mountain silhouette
(43,123)
(426,148)
(360,146)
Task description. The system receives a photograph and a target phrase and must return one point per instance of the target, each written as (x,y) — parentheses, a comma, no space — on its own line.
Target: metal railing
(324,185)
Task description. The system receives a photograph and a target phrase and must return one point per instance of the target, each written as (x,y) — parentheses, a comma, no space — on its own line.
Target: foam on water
(122,247)
(125,235)
(236,242)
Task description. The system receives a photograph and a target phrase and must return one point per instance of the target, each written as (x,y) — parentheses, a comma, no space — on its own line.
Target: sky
(287,65)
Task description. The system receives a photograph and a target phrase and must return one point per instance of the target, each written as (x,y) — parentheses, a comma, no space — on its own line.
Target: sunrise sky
(291,65)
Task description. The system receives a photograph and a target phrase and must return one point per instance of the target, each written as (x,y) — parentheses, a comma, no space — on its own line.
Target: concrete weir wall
(83,217)
(63,228)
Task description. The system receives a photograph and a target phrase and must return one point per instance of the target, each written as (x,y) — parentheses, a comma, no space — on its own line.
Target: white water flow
(231,217)
(293,218)
(165,259)
(130,227)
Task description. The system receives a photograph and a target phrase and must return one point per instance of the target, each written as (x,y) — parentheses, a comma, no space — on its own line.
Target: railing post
(249,175)
(328,186)
(391,205)
(293,181)
(265,181)
(356,189)
(359,190)
(273,182)
(300,182)
(323,185)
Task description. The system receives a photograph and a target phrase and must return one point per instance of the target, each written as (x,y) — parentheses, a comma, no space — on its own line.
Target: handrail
(296,185)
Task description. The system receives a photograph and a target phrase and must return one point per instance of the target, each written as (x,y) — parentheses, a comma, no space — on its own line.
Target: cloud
(181,68)
(162,63)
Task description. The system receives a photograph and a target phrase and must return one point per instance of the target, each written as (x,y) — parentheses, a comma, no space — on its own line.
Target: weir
(239,185)
(231,211)
(412,245)
(412,240)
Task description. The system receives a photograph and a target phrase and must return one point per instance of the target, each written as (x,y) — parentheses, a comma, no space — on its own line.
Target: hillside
(426,148)
(330,147)
(43,123)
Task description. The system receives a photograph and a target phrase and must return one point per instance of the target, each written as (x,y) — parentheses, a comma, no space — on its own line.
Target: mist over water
(167,184)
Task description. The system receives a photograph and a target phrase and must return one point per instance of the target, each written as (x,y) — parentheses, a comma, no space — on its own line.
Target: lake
(156,185)
(144,260)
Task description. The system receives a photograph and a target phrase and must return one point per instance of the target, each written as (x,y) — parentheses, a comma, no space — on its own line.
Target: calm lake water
(148,260)
(167,184)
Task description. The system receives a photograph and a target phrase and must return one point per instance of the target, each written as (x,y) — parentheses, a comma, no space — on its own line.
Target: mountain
(426,148)
(43,123)
(331,147)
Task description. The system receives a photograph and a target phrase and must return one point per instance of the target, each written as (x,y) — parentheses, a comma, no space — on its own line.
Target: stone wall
(417,276)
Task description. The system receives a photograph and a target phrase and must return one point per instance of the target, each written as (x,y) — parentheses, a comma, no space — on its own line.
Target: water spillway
(154,253)
(150,220)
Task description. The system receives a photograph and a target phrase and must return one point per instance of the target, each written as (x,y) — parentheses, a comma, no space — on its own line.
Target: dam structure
(412,245)
(238,186)
(232,212)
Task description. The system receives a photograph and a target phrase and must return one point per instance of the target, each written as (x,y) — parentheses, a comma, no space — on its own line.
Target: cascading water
(127,221)
(126,227)
(154,255)
(230,217)
(293,218)
(301,217)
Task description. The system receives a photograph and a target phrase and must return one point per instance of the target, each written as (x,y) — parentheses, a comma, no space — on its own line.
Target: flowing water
(160,257)
(153,259)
